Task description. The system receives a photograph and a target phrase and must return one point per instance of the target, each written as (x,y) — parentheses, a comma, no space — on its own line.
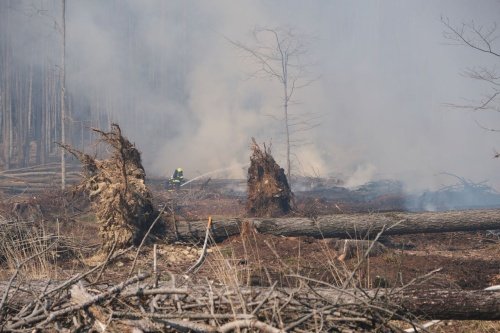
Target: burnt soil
(467,260)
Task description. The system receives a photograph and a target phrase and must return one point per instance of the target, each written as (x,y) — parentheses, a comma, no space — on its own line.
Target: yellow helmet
(179,170)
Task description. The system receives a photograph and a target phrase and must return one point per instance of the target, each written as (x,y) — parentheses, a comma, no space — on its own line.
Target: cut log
(451,304)
(426,303)
(349,225)
(432,303)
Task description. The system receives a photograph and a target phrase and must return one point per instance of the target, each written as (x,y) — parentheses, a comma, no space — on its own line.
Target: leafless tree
(482,39)
(61,29)
(63,94)
(281,55)
(33,102)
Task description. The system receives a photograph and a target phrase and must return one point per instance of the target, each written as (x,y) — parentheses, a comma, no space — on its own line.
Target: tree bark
(452,304)
(439,304)
(348,225)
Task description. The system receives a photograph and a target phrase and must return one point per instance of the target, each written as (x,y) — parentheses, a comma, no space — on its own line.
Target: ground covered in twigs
(216,297)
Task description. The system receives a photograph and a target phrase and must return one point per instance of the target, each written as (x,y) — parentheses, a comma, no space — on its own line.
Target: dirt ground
(466,260)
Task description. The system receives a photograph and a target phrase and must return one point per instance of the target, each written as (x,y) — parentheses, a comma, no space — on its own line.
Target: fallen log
(348,225)
(438,304)
(451,304)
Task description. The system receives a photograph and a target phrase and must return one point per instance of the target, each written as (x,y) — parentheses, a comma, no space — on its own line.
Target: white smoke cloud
(360,176)
(164,71)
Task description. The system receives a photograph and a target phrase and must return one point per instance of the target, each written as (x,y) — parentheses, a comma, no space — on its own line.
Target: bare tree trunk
(17,115)
(63,91)
(287,131)
(286,97)
(349,225)
(29,125)
(280,60)
(7,123)
(42,147)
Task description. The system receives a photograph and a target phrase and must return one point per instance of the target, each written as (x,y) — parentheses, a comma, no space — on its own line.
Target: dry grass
(22,240)
(233,269)
(34,248)
(226,267)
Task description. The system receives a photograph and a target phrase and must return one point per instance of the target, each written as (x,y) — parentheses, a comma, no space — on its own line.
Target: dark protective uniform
(177,179)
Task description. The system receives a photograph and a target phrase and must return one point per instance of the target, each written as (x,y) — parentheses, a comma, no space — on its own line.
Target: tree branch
(461,36)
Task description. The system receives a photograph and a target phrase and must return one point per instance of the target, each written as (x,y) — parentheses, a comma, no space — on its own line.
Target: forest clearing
(194,260)
(249,166)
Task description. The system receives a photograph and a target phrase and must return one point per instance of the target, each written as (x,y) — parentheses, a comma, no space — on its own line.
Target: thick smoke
(165,72)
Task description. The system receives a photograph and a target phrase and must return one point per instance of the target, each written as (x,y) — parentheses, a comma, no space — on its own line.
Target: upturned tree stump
(269,194)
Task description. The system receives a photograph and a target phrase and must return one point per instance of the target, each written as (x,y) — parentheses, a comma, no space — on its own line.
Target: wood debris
(120,199)
(139,303)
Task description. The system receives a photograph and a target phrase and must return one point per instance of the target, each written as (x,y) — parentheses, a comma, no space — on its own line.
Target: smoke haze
(165,72)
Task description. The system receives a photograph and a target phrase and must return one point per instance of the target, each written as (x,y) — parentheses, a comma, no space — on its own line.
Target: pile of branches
(122,202)
(465,194)
(142,304)
(269,194)
(152,302)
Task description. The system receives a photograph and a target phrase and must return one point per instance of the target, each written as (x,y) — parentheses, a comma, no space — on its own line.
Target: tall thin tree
(63,95)
(280,54)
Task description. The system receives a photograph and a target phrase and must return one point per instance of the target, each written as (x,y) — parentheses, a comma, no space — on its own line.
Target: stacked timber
(38,178)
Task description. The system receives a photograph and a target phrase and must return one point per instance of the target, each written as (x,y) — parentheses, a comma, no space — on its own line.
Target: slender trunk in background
(9,112)
(40,149)
(286,96)
(7,125)
(29,125)
(18,125)
(287,131)
(63,88)
(280,59)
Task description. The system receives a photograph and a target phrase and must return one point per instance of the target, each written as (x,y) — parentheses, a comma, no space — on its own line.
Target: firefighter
(177,179)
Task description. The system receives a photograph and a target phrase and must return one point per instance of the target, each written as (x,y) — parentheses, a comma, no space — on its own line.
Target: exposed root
(116,188)
(269,194)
